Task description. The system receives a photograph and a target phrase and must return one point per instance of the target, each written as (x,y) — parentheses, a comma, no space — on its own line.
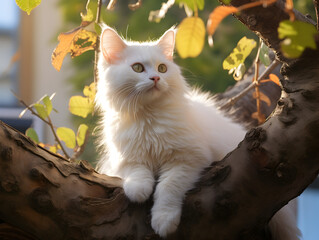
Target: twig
(48,122)
(136,5)
(234,99)
(57,139)
(97,49)
(316,5)
(111,5)
(81,149)
(156,16)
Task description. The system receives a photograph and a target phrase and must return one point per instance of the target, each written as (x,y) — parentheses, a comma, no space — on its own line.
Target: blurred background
(27,42)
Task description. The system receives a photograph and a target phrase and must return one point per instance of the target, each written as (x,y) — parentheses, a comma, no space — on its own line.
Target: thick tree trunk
(51,198)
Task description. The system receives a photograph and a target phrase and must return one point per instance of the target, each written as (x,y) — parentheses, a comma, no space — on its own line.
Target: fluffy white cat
(155,128)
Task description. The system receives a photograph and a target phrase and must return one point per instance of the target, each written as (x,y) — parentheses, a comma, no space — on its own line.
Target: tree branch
(265,21)
(52,198)
(316,5)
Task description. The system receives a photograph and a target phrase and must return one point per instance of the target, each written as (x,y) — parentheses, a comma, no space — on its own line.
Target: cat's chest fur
(153,137)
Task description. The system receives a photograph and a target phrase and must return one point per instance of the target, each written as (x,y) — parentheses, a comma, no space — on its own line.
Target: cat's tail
(283,225)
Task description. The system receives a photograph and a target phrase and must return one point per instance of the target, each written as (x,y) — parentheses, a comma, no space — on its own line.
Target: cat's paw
(165,221)
(138,191)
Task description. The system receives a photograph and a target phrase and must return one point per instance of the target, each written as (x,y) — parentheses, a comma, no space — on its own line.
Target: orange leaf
(260,117)
(263,98)
(74,42)
(274,79)
(66,40)
(217,16)
(289,9)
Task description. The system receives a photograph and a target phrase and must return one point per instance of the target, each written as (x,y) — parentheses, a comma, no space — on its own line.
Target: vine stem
(48,122)
(234,99)
(97,48)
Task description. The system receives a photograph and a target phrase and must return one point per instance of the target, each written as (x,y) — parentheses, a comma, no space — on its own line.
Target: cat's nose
(155,78)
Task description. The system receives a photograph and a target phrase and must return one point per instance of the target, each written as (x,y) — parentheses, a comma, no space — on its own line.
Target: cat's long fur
(156,130)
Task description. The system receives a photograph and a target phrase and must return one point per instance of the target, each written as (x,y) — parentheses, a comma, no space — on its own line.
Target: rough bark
(51,198)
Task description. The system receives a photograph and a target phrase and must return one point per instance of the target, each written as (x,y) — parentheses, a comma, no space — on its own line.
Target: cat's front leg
(138,182)
(175,180)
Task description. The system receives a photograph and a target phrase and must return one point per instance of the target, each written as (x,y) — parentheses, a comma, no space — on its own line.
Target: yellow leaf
(81,106)
(190,37)
(82,42)
(240,53)
(75,42)
(89,91)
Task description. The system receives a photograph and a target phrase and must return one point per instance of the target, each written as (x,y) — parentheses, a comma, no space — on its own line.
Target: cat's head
(136,74)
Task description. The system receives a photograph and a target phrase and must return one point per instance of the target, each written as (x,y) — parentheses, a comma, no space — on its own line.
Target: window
(9,26)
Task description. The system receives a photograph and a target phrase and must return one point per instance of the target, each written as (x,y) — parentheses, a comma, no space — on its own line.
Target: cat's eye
(162,68)
(138,67)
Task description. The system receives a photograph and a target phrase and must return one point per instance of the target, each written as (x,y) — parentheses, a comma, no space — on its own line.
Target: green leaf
(31,133)
(48,104)
(226,2)
(240,53)
(80,106)
(297,36)
(190,3)
(66,135)
(41,110)
(90,12)
(81,134)
(27,5)
(264,54)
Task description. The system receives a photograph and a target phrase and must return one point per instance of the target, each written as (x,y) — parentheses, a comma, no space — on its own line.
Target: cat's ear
(167,43)
(111,45)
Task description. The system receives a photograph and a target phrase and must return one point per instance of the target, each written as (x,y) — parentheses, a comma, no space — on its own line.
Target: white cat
(155,128)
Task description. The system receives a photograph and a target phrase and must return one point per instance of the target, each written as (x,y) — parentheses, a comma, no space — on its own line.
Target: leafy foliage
(190,37)
(66,135)
(239,54)
(31,133)
(28,5)
(82,106)
(297,36)
(75,42)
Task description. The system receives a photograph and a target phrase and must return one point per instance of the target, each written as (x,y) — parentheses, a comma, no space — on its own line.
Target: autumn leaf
(274,79)
(190,37)
(81,106)
(239,53)
(89,91)
(74,42)
(217,16)
(260,117)
(28,5)
(263,98)
(81,134)
(66,135)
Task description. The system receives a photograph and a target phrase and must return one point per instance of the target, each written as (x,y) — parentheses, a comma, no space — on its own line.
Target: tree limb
(52,198)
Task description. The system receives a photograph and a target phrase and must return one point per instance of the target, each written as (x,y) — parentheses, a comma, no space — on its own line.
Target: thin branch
(48,122)
(136,5)
(81,149)
(97,49)
(111,5)
(234,99)
(57,139)
(316,5)
(29,108)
